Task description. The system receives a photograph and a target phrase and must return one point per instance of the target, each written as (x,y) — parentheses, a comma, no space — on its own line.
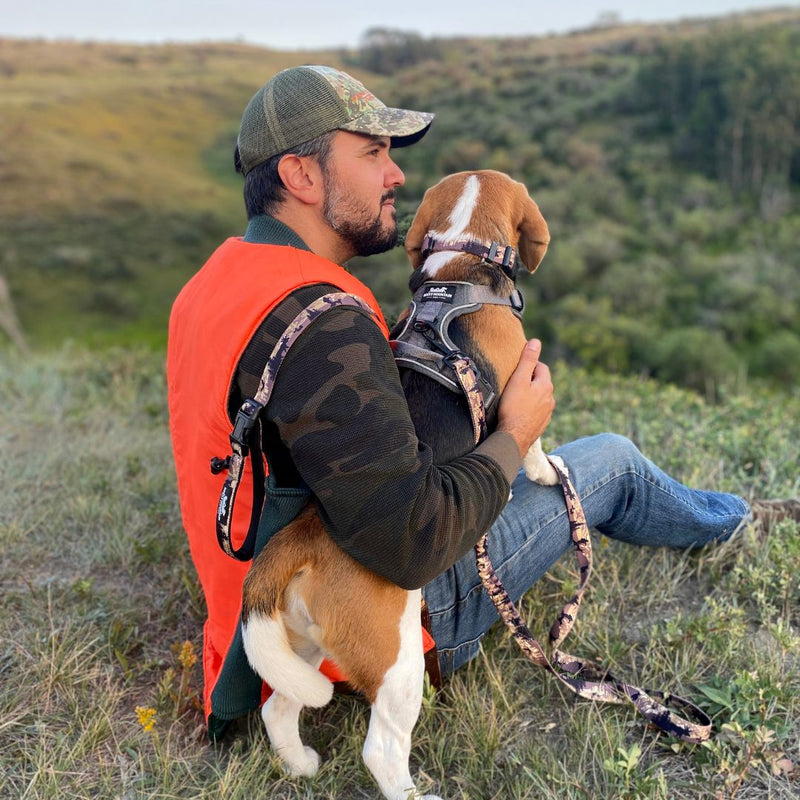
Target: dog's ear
(419,227)
(534,235)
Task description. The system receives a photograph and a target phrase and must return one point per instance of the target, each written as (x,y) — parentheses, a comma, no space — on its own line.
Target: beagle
(302,591)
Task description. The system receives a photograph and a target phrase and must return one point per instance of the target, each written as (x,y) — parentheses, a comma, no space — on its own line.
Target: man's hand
(527,402)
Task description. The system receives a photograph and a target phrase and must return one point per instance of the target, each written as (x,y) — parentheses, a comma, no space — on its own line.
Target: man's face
(360,179)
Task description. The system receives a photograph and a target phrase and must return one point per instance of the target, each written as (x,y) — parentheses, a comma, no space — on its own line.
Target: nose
(394,175)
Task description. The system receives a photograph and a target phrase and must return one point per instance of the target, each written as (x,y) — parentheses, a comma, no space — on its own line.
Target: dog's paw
(541,472)
(538,468)
(301,764)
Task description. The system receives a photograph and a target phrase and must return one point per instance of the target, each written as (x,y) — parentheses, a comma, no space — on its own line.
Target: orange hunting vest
(213,319)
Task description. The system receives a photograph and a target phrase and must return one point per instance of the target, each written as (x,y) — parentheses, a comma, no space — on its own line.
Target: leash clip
(246,420)
(453,357)
(429,332)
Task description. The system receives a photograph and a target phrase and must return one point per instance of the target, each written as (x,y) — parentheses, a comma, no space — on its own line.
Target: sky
(317,24)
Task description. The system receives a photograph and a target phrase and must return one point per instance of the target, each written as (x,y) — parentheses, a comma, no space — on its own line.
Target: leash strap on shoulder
(246,435)
(670,713)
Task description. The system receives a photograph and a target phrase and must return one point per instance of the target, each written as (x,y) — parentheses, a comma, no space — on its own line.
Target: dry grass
(99,596)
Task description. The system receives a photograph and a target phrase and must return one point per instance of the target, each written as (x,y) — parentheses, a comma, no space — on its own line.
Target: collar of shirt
(264,229)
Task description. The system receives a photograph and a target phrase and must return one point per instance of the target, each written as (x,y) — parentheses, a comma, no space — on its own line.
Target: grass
(101,617)
(84,124)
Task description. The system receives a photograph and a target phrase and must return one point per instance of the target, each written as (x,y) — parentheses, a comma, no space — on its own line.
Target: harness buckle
(451,357)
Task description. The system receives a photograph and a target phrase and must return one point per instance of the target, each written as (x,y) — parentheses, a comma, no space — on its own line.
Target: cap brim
(402,126)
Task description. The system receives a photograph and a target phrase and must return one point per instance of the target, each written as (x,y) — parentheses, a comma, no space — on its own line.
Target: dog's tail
(271,656)
(264,633)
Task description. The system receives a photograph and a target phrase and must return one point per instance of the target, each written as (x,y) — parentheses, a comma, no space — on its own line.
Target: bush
(778,358)
(697,358)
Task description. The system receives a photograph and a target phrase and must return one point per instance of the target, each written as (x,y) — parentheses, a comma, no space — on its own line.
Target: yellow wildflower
(187,658)
(146,717)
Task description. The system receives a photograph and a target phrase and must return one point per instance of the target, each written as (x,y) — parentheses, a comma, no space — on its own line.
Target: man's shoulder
(258,349)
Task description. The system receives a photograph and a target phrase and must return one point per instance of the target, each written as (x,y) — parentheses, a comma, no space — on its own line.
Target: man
(315,151)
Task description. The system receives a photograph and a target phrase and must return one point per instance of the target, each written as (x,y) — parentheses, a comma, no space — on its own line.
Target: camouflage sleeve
(339,409)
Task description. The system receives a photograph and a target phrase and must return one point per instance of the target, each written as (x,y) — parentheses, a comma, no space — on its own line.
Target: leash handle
(245,437)
(670,713)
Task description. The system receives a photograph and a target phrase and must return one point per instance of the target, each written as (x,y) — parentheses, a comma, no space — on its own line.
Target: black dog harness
(424,343)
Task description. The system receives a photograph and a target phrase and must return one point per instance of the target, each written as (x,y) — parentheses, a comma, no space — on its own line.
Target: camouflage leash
(247,423)
(585,678)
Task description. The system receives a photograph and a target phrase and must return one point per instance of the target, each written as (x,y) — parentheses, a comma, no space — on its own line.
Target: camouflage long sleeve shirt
(338,421)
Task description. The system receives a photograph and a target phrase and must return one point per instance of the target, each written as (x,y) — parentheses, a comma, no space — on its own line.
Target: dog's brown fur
(492,336)
(301,577)
(352,606)
(515,218)
(349,604)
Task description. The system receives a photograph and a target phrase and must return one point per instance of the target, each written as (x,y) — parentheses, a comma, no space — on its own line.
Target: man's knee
(614,448)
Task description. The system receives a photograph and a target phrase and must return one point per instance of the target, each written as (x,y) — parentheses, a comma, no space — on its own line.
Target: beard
(364,231)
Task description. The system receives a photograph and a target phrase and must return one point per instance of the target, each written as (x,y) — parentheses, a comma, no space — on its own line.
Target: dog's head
(483,204)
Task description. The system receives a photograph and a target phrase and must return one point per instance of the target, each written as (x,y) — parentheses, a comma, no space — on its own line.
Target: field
(666,160)
(101,617)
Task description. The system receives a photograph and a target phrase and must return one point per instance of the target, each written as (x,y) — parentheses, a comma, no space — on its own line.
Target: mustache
(390,195)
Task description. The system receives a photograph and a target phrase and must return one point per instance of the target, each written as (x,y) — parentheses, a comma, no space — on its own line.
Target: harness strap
(242,438)
(587,679)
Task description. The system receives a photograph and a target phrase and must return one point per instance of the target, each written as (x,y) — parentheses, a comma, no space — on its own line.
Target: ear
(534,235)
(419,227)
(302,178)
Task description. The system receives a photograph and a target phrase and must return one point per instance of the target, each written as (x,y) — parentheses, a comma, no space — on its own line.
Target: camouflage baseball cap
(301,103)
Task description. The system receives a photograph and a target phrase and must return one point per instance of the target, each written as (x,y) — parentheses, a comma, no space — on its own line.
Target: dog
(303,592)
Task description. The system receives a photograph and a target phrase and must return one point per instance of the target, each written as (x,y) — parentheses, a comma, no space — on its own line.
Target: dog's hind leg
(281,716)
(395,711)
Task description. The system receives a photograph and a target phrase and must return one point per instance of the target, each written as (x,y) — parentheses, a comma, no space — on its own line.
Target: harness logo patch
(222,507)
(440,294)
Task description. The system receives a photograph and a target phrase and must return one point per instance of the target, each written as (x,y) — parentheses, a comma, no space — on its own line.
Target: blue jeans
(625,496)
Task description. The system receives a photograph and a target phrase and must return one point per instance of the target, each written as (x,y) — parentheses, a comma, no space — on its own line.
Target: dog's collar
(502,255)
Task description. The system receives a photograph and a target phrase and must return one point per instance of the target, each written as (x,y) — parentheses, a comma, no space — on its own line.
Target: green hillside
(665,158)
(115,178)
